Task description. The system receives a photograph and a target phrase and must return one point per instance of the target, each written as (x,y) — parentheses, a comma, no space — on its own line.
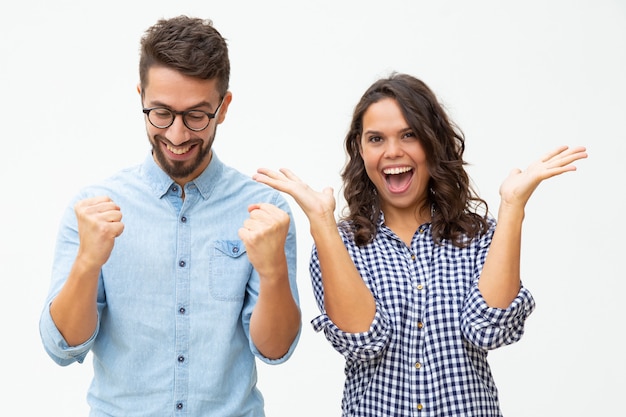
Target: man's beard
(180,169)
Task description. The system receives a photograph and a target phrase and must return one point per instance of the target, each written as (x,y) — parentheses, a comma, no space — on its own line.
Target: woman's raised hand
(317,206)
(519,185)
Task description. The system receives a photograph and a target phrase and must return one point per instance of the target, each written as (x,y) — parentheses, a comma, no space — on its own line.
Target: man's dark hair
(189,45)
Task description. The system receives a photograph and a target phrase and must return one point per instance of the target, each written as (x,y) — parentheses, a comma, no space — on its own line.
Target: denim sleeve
(65,253)
(489,327)
(253,286)
(55,345)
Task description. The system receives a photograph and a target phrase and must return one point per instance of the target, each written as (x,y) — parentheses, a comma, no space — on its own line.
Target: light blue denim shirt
(174,298)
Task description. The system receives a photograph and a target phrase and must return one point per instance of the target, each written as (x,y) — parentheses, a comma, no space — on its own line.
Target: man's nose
(178,133)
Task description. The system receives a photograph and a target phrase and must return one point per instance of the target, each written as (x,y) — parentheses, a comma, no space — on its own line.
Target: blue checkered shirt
(425,353)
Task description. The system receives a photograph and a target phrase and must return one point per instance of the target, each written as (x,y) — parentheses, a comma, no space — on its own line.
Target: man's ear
(224,107)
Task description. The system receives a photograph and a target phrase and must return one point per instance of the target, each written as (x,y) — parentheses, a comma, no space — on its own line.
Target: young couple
(177,273)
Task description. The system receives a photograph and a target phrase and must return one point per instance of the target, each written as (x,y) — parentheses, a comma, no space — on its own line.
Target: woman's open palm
(519,185)
(317,206)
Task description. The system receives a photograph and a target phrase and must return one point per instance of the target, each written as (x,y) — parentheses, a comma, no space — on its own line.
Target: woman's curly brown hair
(455,204)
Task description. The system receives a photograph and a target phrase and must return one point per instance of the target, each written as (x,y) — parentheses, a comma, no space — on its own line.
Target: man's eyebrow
(158,103)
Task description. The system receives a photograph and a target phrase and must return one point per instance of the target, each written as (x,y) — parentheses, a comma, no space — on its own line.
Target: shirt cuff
(280,360)
(358,346)
(491,327)
(56,346)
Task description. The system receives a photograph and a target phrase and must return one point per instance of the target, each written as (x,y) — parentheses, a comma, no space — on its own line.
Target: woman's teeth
(397,170)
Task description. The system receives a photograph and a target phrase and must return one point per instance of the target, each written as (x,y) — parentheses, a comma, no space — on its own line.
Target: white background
(519,77)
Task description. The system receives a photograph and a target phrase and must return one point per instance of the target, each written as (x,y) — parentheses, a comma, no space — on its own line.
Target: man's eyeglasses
(196,120)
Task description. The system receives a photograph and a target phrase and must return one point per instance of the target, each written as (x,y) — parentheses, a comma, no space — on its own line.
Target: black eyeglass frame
(183,114)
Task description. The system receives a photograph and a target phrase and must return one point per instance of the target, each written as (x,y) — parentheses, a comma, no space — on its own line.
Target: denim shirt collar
(160,182)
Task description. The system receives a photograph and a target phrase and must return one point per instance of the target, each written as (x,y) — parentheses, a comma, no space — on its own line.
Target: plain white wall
(519,78)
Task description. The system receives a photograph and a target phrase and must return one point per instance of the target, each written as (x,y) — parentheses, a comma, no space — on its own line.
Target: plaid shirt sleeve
(489,327)
(363,346)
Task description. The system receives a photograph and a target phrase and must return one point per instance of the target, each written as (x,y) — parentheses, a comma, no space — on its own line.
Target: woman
(416,283)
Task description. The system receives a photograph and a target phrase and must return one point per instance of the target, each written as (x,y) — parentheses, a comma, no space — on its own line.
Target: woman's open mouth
(398,179)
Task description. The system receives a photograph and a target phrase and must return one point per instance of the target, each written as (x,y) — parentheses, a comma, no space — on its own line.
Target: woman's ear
(357,139)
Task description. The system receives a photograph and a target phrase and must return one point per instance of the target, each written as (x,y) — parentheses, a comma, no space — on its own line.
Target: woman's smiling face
(394,158)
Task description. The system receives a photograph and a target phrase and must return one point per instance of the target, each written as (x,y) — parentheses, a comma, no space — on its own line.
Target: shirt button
(179,406)
(235,249)
(182,310)
(420,287)
(417,365)
(413,256)
(419,407)
(181,264)
(420,324)
(175,189)
(183,219)
(181,359)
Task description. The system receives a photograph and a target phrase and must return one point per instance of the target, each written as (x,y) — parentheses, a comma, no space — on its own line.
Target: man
(176,273)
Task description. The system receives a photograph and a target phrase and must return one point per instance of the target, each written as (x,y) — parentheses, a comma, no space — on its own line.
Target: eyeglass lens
(193,119)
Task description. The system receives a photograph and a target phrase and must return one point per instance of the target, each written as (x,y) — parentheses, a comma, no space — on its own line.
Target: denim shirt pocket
(229,270)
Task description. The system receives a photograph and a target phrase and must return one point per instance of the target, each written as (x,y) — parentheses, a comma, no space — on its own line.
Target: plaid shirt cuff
(489,327)
(362,346)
